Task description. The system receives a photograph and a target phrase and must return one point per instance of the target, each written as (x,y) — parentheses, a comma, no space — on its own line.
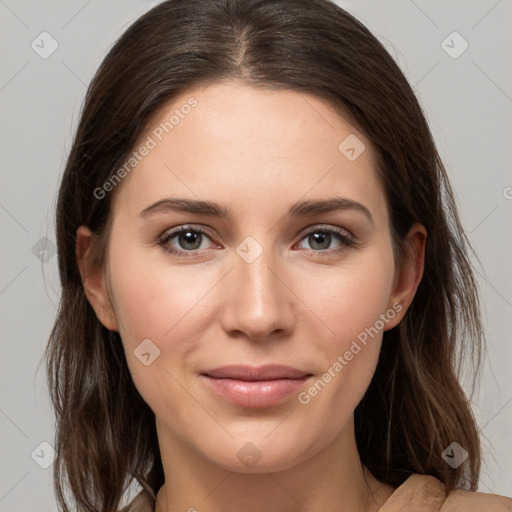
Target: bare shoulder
(470,501)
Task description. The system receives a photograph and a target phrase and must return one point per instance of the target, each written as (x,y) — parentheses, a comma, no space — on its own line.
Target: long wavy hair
(415,406)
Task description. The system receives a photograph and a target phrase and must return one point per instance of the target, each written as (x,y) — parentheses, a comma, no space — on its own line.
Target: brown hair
(414,407)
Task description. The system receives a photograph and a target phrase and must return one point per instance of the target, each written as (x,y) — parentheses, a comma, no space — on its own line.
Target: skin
(298,303)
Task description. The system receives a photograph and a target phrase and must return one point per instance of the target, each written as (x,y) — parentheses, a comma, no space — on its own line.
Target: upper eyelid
(172,232)
(326,227)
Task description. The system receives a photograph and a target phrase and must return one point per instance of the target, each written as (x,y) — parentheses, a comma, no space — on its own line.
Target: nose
(258,301)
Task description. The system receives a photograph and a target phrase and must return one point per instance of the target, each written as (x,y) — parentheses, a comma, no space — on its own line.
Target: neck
(331,480)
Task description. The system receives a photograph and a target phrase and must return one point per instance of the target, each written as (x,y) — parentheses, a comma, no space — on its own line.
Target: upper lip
(253,373)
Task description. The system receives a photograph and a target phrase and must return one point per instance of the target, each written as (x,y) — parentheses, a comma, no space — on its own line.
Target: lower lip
(254,394)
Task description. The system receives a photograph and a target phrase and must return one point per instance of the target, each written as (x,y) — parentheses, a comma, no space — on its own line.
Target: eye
(189,240)
(320,239)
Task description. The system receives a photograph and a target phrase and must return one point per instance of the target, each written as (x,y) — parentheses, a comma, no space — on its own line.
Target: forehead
(239,142)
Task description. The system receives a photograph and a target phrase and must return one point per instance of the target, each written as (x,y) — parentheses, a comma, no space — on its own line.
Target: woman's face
(298,270)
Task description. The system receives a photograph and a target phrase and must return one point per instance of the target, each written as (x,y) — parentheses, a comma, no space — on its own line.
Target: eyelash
(346,241)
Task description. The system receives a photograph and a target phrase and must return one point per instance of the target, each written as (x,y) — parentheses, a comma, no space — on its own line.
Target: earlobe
(408,276)
(93,279)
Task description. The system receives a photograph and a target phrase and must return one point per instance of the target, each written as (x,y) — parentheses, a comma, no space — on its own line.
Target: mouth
(255,387)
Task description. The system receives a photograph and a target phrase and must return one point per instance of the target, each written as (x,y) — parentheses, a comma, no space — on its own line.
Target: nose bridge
(257,300)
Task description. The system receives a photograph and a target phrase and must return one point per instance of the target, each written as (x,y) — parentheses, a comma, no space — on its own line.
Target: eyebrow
(298,209)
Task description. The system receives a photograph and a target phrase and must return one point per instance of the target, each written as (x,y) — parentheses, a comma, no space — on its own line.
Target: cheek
(352,304)
(351,297)
(153,299)
(161,303)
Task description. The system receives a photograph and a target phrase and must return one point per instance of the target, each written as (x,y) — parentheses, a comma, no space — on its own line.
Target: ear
(93,279)
(408,276)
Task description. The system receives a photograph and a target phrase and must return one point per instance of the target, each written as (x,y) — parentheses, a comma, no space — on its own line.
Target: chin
(247,456)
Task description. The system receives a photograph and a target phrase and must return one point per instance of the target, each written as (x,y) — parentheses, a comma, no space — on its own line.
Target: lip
(253,373)
(255,387)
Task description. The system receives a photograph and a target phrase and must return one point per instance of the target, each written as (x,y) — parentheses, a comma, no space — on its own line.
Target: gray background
(468,102)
